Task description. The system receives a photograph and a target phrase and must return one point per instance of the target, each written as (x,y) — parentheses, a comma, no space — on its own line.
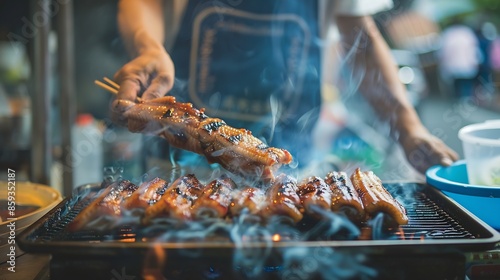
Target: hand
(152,72)
(424,150)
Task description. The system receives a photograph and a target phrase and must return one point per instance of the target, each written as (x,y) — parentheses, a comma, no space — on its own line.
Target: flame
(154,262)
(401,233)
(276,237)
(128,238)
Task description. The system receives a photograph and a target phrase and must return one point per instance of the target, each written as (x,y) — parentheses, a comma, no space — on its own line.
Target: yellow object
(24,193)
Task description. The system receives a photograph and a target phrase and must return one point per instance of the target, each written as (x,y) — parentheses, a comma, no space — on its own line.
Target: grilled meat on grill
(185,127)
(177,200)
(147,194)
(250,198)
(283,199)
(376,198)
(109,202)
(314,191)
(215,198)
(345,198)
(363,196)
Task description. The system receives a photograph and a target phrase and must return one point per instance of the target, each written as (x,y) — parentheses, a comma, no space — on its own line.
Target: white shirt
(459,52)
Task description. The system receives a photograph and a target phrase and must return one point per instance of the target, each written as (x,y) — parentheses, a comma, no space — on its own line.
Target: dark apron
(254,64)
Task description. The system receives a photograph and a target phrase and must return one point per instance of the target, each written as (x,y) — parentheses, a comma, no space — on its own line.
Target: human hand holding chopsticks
(150,75)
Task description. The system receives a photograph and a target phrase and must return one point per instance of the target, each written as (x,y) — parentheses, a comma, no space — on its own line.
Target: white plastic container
(87,151)
(481,144)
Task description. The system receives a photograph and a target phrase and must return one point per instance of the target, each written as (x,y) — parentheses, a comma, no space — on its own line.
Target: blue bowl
(482,201)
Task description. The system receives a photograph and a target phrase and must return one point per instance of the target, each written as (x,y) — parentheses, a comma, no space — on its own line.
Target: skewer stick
(106,87)
(113,87)
(111,82)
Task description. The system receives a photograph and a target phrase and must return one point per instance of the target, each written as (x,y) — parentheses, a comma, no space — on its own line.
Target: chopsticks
(111,86)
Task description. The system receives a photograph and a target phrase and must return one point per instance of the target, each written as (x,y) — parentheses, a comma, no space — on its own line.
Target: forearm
(141,25)
(142,28)
(380,84)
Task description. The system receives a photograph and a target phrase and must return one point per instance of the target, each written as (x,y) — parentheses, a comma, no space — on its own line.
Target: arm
(141,25)
(387,95)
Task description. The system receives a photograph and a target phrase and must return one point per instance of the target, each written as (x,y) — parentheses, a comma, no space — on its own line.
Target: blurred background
(448,53)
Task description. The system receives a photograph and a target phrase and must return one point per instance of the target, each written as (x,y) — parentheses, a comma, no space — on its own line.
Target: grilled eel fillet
(215,198)
(283,198)
(253,199)
(376,198)
(186,198)
(109,202)
(185,127)
(177,200)
(147,194)
(314,191)
(345,198)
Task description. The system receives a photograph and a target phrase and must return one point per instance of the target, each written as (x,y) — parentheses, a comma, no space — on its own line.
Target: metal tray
(451,228)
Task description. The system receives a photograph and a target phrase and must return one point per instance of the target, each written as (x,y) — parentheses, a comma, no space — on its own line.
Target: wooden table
(28,267)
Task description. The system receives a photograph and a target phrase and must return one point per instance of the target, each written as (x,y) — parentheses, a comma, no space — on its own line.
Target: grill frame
(485,237)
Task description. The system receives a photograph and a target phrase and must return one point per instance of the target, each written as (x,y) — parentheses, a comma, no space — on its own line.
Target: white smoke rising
(351,77)
(249,259)
(331,226)
(306,119)
(275,114)
(377,225)
(324,263)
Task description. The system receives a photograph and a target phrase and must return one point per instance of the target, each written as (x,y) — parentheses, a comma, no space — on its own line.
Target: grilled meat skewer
(185,127)
(376,198)
(345,198)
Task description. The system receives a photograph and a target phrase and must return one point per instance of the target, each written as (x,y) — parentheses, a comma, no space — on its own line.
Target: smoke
(248,259)
(324,263)
(351,77)
(296,262)
(377,226)
(331,226)
(275,114)
(306,120)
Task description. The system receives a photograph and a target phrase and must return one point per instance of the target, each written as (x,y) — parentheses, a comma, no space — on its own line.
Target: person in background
(459,58)
(495,61)
(486,34)
(260,64)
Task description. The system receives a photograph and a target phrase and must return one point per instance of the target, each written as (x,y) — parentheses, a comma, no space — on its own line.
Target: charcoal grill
(430,246)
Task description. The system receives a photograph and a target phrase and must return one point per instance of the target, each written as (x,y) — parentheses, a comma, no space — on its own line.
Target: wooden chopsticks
(110,86)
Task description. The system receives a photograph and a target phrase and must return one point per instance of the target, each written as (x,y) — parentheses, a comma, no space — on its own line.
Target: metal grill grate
(427,220)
